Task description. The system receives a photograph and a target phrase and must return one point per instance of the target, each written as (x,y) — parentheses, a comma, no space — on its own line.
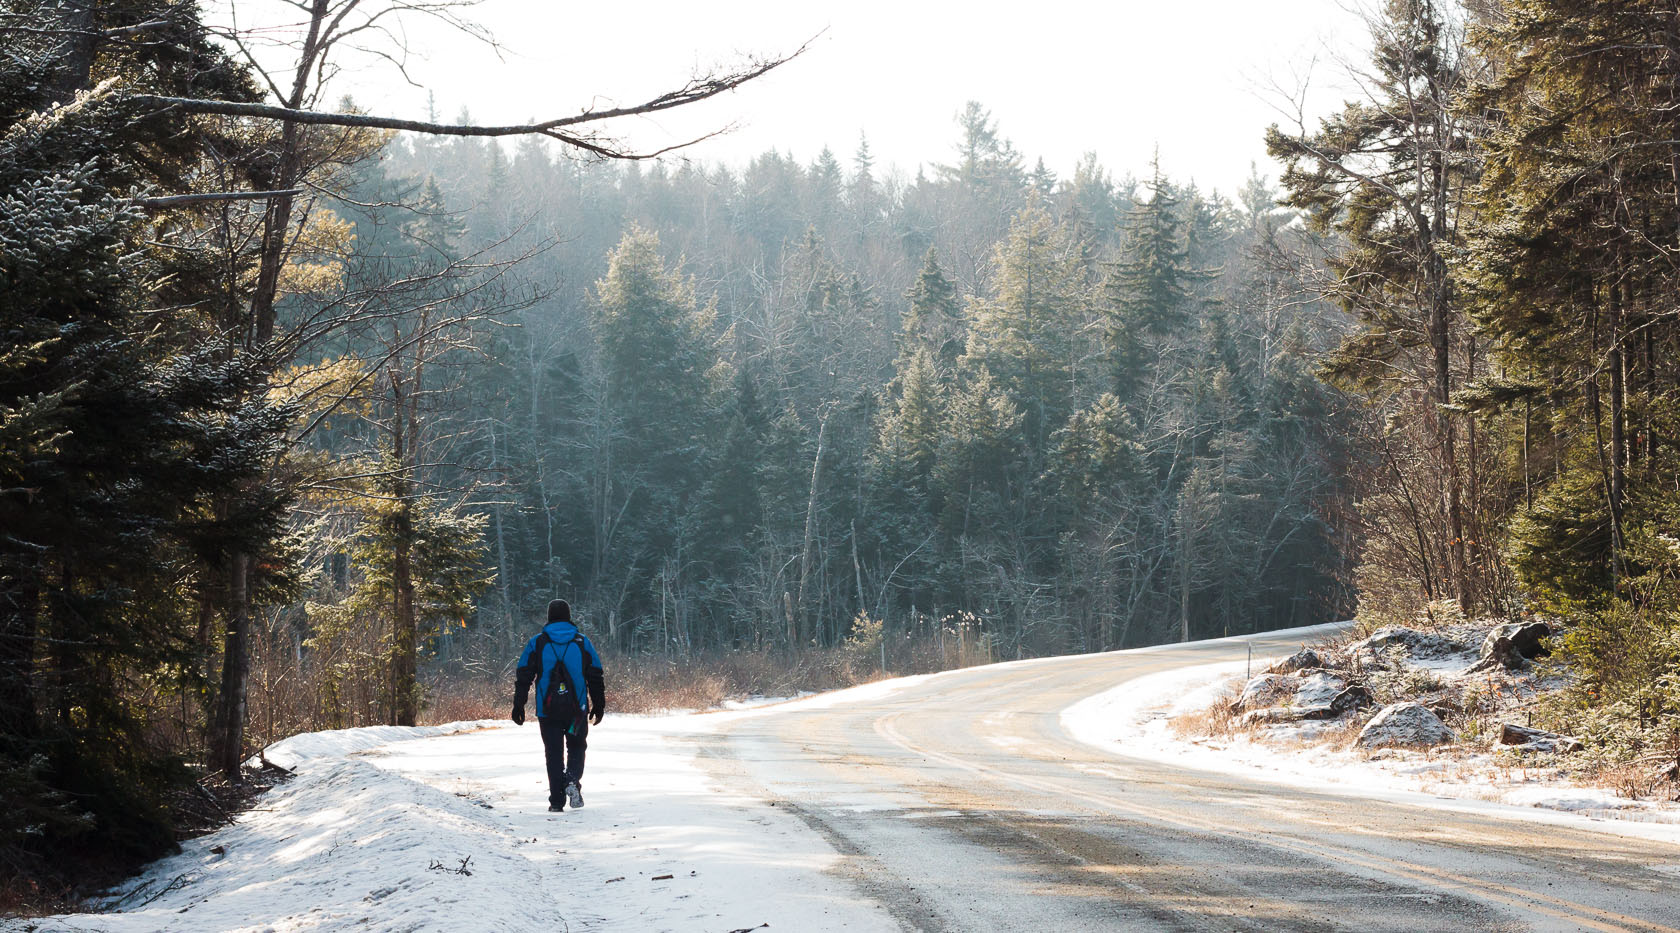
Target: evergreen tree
(935,321)
(1146,295)
(1023,333)
(656,356)
(1388,174)
(123,421)
(863,192)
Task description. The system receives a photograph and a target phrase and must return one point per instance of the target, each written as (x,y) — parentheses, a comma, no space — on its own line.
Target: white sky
(1061,77)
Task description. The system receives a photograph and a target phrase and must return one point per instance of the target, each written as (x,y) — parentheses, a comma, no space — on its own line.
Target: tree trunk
(404,633)
(801,624)
(79,43)
(503,584)
(227,731)
(20,620)
(1617,364)
(1187,537)
(289,168)
(404,630)
(857,568)
(1447,429)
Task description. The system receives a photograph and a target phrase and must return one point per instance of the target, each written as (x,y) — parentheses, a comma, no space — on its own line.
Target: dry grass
(1341,733)
(457,699)
(1217,720)
(23,898)
(652,684)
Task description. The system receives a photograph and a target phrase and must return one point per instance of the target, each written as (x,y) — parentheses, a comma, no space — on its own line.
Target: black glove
(597,710)
(519,714)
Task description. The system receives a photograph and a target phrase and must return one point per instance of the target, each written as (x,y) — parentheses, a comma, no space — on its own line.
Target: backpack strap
(541,644)
(560,664)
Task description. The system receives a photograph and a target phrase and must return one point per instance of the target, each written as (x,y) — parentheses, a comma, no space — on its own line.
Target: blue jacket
(583,664)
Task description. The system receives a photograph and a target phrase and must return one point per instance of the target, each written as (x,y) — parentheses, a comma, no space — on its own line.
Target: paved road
(961,804)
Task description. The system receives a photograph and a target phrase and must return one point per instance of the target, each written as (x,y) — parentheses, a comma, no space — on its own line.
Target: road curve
(961,804)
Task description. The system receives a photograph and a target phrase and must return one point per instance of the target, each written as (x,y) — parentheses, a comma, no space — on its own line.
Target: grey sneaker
(574,796)
(557,808)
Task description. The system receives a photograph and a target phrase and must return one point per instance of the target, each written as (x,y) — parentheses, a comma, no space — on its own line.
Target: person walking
(571,694)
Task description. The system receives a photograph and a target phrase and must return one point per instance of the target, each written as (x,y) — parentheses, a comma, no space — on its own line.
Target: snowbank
(1133,720)
(343,845)
(338,743)
(446,828)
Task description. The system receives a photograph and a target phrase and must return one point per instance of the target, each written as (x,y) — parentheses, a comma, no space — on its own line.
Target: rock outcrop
(1299,661)
(1265,690)
(1404,725)
(1411,642)
(1536,740)
(1513,645)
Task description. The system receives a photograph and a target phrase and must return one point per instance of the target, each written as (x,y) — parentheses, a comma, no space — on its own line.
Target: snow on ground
(336,743)
(449,831)
(388,828)
(1133,720)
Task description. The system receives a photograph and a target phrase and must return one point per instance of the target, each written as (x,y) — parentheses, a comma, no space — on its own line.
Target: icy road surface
(962,801)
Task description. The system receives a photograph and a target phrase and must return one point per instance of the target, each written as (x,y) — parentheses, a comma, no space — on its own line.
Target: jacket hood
(560,631)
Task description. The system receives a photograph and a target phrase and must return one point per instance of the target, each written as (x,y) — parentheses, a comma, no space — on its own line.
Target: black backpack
(561,703)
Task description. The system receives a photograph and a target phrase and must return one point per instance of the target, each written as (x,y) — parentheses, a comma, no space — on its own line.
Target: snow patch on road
(1133,719)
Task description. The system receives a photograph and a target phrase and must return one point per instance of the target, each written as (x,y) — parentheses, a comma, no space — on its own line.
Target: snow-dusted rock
(1279,698)
(1514,643)
(1405,724)
(1536,740)
(1412,642)
(1265,690)
(1278,714)
(1301,660)
(1354,697)
(1318,689)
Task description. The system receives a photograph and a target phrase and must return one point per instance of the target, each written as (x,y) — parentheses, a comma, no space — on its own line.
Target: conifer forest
(306,413)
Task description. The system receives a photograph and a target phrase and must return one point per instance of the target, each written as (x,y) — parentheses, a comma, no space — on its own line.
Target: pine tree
(123,427)
(656,357)
(863,192)
(934,321)
(985,159)
(1024,333)
(1042,179)
(1146,296)
(1388,174)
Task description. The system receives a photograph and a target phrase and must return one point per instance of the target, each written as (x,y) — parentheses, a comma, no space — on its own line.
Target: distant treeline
(748,405)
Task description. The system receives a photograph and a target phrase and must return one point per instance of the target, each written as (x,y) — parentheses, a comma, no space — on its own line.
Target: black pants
(564,755)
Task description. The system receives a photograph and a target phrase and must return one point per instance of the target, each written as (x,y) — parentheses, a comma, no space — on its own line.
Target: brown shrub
(1217,720)
(704,680)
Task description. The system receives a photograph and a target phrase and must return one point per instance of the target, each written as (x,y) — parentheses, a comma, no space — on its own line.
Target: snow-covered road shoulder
(446,828)
(1134,720)
(343,845)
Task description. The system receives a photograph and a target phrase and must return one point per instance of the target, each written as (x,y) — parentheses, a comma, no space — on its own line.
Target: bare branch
(695,90)
(176,200)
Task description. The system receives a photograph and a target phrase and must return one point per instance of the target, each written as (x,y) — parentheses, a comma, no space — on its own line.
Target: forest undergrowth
(651,684)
